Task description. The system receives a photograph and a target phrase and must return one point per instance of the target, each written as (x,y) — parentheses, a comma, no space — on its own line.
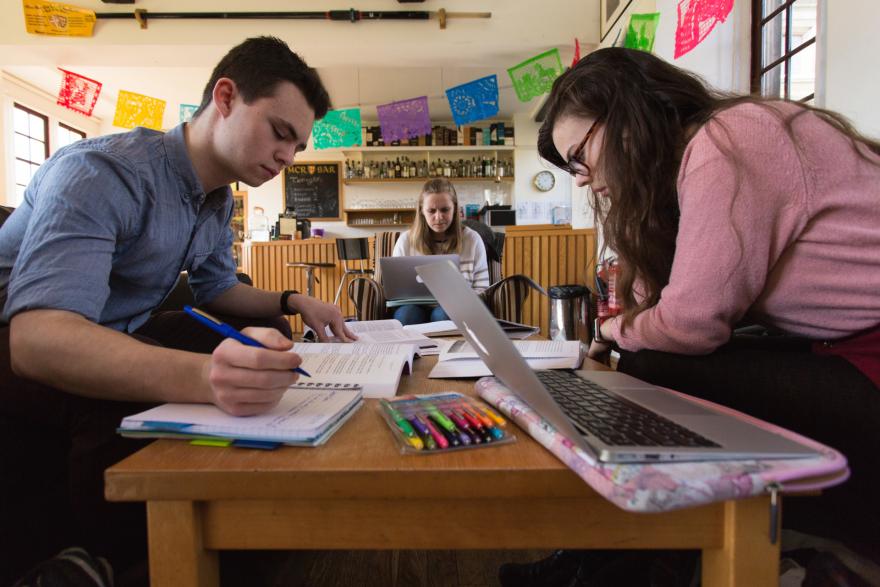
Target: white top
(472,259)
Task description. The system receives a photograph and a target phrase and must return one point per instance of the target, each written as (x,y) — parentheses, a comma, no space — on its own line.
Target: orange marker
(495,417)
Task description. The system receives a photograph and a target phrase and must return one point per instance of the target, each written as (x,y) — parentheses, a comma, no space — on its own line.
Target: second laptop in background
(400,281)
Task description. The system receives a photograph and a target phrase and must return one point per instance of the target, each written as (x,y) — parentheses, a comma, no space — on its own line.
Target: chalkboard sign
(314,189)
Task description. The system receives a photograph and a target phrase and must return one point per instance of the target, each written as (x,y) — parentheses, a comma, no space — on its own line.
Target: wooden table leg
(177,556)
(747,557)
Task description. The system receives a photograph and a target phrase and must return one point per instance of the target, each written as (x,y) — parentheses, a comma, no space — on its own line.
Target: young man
(105,228)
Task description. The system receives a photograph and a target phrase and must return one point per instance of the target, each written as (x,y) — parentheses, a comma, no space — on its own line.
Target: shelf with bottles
(489,165)
(480,135)
(239,225)
(369,217)
(423,179)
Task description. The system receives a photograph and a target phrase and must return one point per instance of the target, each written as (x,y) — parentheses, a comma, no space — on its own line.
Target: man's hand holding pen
(247,380)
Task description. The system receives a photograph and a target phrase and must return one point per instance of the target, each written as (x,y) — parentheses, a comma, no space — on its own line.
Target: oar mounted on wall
(142,16)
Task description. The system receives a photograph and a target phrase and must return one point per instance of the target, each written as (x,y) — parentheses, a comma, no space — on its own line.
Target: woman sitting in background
(724,210)
(437,230)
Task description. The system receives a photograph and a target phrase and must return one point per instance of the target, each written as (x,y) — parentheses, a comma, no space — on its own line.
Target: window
(31,140)
(784,49)
(68,135)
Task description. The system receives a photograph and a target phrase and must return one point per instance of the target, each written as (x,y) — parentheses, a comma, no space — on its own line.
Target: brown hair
(649,109)
(421,234)
(258,65)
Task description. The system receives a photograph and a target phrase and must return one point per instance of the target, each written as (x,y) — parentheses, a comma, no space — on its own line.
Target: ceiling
(362,64)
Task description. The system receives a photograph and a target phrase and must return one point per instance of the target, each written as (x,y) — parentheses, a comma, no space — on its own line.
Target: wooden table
(359,492)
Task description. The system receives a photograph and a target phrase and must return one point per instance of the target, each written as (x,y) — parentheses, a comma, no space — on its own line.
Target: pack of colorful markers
(441,422)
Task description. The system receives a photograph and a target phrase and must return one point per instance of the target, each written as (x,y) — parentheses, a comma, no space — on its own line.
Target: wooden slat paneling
(551,256)
(267,263)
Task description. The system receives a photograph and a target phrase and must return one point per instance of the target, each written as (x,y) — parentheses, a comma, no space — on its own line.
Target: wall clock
(544,181)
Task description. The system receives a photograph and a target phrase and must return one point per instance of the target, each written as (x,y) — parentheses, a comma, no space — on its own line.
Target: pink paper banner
(405,119)
(78,93)
(696,19)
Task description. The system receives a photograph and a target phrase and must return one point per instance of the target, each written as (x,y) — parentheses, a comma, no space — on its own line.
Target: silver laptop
(399,279)
(614,417)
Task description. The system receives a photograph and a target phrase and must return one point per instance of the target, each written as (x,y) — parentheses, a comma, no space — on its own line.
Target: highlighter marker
(425,434)
(471,419)
(494,416)
(450,435)
(477,414)
(438,438)
(439,416)
(408,433)
(464,429)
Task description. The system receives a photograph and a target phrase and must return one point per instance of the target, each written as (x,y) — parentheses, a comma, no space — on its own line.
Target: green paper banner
(535,76)
(641,31)
(340,128)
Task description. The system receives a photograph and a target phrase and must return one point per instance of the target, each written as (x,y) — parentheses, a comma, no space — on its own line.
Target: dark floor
(386,568)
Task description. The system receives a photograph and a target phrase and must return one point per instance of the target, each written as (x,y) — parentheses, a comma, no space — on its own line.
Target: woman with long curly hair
(723,211)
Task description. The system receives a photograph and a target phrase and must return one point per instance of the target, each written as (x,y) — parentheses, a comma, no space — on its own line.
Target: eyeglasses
(575,166)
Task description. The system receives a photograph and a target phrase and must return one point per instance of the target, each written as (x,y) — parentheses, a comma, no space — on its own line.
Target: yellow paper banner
(138,110)
(56,19)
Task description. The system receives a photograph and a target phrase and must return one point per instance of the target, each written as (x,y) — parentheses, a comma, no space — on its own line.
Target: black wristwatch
(285,308)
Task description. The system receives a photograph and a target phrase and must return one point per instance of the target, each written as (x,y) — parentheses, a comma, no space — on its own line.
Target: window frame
(45,140)
(758,69)
(76,131)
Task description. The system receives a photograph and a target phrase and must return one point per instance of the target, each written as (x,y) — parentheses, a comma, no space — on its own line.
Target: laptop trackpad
(664,403)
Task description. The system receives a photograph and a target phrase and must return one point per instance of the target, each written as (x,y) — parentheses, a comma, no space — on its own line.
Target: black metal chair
(350,250)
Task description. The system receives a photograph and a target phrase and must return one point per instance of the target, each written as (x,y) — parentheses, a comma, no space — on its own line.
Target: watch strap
(285,308)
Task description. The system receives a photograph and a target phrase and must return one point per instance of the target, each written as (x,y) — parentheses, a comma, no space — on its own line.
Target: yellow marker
(495,417)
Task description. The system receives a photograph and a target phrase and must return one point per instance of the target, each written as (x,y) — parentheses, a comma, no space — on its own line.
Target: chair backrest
(353,249)
(384,247)
(495,267)
(494,244)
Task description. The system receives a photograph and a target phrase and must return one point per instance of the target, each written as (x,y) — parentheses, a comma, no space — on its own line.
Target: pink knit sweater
(791,241)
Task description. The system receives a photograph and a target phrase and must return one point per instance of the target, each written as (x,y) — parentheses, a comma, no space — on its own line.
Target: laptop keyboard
(612,419)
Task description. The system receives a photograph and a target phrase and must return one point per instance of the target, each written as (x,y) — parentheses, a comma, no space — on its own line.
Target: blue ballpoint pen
(228,331)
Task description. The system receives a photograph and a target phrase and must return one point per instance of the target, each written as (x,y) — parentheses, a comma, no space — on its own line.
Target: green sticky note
(641,32)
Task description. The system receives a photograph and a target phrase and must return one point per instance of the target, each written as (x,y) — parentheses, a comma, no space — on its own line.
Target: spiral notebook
(304,417)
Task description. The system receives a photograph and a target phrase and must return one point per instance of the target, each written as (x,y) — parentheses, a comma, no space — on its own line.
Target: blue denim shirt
(106,227)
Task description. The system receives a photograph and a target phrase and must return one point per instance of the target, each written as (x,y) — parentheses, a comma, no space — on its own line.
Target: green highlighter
(404,426)
(440,417)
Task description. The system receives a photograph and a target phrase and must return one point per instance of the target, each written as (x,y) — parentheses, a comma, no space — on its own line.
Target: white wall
(534,206)
(849,82)
(13,90)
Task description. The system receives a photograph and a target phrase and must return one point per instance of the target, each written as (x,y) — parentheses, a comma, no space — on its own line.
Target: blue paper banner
(340,128)
(474,100)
